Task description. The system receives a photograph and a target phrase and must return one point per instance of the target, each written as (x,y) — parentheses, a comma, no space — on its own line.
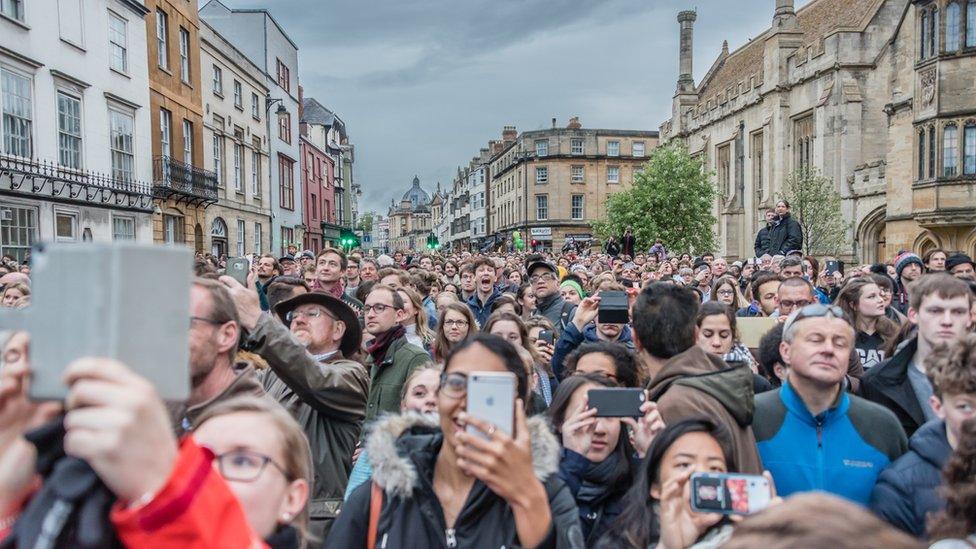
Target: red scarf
(381,344)
(337,289)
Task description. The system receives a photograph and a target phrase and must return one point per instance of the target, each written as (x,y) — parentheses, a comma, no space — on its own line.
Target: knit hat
(574,285)
(905,259)
(958,259)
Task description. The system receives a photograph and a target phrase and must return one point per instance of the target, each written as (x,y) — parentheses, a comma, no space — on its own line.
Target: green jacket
(387,378)
(328,400)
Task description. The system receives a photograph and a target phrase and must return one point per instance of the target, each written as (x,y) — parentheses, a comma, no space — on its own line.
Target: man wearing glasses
(312,376)
(544,279)
(391,357)
(811,433)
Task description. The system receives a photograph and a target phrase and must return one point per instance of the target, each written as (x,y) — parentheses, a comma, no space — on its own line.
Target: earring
(286,517)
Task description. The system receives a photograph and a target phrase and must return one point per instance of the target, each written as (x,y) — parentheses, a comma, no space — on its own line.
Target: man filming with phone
(587,328)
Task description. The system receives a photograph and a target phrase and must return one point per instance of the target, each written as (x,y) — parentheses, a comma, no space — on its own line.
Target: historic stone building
(410,220)
(876,94)
(551,184)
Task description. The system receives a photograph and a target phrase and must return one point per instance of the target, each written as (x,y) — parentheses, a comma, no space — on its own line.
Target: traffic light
(348,239)
(432,242)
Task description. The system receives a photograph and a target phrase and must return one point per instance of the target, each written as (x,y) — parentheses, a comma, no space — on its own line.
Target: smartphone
(729,493)
(491,398)
(833,266)
(237,268)
(547,336)
(616,402)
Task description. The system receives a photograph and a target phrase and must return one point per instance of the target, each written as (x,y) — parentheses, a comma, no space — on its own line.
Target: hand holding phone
(729,493)
(617,402)
(491,398)
(238,268)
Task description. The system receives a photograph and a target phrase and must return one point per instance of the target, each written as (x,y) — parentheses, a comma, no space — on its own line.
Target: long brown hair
(522,328)
(420,317)
(441,346)
(848,299)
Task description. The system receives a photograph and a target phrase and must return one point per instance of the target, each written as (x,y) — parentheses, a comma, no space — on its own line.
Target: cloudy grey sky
(423,84)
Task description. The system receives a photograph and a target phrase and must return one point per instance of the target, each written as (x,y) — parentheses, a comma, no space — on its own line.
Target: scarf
(598,480)
(382,343)
(337,289)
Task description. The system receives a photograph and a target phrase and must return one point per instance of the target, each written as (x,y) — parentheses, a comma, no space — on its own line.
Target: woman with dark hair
(726,290)
(436,484)
(657,510)
(526,298)
(512,328)
(507,302)
(886,285)
(457,323)
(861,299)
(598,461)
(612,360)
(719,335)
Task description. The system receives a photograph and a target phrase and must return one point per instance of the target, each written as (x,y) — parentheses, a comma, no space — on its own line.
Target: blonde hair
(423,330)
(295,450)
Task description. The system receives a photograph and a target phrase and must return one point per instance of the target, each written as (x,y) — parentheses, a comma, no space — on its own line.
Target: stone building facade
(235,138)
(410,220)
(875,94)
(551,184)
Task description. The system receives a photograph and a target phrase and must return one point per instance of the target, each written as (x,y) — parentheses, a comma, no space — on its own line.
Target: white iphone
(491,398)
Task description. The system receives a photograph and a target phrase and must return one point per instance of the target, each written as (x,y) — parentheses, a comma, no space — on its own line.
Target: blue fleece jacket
(571,338)
(841,450)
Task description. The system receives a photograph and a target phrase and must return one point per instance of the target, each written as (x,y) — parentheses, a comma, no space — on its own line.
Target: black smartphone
(616,402)
(547,336)
(613,308)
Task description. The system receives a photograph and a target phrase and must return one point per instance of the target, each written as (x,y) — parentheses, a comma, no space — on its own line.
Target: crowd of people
(328,405)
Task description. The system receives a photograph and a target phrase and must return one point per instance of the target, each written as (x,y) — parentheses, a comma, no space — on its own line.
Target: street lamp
(281,112)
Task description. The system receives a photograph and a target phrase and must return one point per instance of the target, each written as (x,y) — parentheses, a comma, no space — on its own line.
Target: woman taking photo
(439,485)
(456,324)
(864,304)
(598,461)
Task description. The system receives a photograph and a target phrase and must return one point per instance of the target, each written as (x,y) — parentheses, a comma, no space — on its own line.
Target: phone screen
(546,335)
(728,493)
(491,398)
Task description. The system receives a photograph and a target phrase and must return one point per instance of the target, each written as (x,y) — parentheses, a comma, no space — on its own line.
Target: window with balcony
(162,42)
(542,147)
(286,182)
(18,230)
(576,207)
(613,174)
(165,119)
(577,174)
(950,151)
(541,175)
(238,95)
(13,9)
(613,148)
(184,55)
(118,41)
(542,207)
(18,124)
(576,146)
(122,126)
(952,21)
(173,229)
(637,149)
(969,144)
(69,131)
(218,81)
(218,158)
(123,228)
(187,142)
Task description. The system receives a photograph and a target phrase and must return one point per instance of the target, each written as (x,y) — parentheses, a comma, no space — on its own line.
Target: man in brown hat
(311,376)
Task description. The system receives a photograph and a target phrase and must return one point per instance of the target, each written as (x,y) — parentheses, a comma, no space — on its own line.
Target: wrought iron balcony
(183,182)
(43,178)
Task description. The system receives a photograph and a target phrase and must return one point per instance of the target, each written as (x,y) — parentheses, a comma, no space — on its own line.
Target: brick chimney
(574,123)
(509,134)
(686,22)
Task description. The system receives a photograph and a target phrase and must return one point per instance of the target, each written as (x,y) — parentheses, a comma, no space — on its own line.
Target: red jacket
(195,509)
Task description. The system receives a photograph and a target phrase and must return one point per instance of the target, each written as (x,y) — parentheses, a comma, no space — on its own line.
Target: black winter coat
(908,490)
(762,240)
(784,236)
(888,385)
(403,450)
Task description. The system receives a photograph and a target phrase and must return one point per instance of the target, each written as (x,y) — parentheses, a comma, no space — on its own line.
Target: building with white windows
(75,153)
(256,34)
(235,135)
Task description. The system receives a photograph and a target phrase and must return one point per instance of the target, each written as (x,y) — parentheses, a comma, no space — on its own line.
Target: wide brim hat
(353,336)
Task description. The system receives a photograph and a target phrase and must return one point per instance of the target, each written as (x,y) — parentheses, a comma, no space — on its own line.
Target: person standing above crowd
(628,243)
(811,433)
(785,235)
(908,490)
(685,380)
(544,278)
(940,309)
(761,246)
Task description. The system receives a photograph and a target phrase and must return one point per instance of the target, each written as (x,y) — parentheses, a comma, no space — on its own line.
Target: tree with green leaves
(671,199)
(815,204)
(365,223)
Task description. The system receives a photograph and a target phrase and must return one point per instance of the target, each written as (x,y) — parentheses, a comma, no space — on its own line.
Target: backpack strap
(375,506)
(567,308)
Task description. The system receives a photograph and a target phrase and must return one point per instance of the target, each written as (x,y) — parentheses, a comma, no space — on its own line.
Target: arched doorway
(198,238)
(218,237)
(871,236)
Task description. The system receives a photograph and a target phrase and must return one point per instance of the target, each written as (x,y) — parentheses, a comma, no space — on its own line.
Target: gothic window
(923,30)
(969,148)
(952,27)
(921,154)
(757,161)
(723,171)
(950,150)
(932,152)
(803,132)
(934,32)
(971,24)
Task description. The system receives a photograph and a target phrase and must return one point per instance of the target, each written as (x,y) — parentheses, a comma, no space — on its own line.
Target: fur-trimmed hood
(396,438)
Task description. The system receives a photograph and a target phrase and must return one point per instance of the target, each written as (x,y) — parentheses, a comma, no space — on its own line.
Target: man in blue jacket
(907,491)
(811,433)
(586,328)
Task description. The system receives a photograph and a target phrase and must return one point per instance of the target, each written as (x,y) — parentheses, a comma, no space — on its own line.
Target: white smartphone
(729,493)
(491,398)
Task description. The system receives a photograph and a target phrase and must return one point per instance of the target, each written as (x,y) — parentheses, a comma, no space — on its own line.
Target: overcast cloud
(423,84)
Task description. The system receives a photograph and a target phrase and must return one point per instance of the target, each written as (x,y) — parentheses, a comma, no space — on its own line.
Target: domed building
(411,220)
